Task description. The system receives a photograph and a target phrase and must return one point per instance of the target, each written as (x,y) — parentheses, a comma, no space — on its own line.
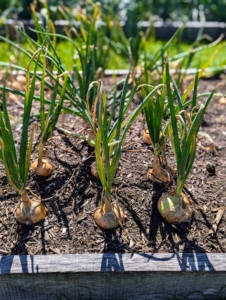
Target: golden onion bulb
(222,101)
(42,167)
(157,173)
(108,217)
(175,209)
(146,138)
(30,211)
(94,171)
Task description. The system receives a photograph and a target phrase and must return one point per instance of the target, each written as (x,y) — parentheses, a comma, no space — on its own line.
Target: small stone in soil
(210,168)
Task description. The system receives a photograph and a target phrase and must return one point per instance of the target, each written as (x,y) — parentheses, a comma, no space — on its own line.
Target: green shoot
(17,166)
(91,48)
(182,131)
(48,122)
(108,150)
(90,55)
(154,111)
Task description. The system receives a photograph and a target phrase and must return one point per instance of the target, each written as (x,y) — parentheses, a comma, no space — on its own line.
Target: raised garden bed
(130,262)
(111,276)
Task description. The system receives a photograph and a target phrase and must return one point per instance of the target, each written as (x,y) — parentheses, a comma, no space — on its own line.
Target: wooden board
(111,276)
(163,30)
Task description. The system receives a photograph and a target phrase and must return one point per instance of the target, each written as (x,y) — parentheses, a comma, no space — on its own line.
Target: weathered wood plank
(109,262)
(111,286)
(111,276)
(163,30)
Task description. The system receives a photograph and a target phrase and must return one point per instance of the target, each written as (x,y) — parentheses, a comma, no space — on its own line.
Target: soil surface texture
(71,193)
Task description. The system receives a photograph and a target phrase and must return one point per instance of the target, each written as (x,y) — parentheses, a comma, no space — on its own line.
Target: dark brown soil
(71,195)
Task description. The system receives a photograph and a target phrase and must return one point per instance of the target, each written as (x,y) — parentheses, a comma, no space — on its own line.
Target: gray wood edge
(110,262)
(163,30)
(118,72)
(156,24)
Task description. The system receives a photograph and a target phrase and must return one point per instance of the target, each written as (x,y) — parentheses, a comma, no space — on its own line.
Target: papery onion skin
(108,218)
(222,100)
(161,175)
(146,138)
(94,171)
(157,173)
(175,209)
(30,212)
(42,167)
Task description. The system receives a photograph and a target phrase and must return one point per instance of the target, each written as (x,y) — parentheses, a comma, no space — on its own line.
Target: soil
(71,193)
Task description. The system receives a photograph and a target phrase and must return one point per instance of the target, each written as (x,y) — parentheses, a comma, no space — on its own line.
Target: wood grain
(111,276)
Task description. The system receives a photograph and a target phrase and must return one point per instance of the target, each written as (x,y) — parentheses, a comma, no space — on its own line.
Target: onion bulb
(94,171)
(42,167)
(175,209)
(108,216)
(30,211)
(222,101)
(146,138)
(157,173)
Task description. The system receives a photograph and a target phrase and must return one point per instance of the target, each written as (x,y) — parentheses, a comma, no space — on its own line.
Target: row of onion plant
(178,122)
(108,149)
(91,104)
(28,211)
(109,142)
(182,129)
(91,49)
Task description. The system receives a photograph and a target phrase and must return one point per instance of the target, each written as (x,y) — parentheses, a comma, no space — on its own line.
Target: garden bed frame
(112,276)
(163,30)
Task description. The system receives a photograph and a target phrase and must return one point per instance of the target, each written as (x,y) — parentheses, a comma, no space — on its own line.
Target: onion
(108,216)
(42,167)
(29,211)
(157,173)
(94,171)
(175,209)
(222,101)
(146,138)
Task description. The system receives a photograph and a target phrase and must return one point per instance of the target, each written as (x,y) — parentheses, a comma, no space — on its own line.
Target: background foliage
(211,10)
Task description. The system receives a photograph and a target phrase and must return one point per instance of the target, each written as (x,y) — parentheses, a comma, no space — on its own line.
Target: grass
(67,52)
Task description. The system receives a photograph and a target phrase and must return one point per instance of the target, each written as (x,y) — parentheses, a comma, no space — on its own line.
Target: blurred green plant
(82,107)
(91,47)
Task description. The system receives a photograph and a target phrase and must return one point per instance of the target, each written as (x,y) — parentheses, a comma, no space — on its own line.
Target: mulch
(71,193)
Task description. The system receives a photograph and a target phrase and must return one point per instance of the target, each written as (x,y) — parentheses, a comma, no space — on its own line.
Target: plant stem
(179,188)
(107,202)
(40,150)
(25,197)
(157,150)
